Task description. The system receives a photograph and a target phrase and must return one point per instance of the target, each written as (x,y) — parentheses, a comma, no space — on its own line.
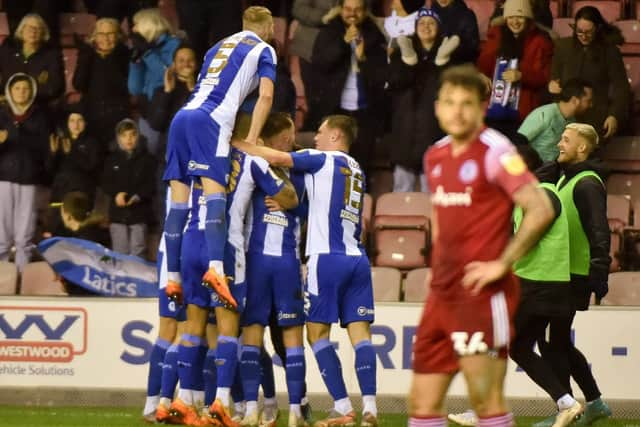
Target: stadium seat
(401,227)
(611,10)
(380,182)
(367,211)
(623,154)
(8,278)
(556,9)
(624,289)
(416,286)
(563,26)
(632,65)
(483,10)
(4,27)
(625,184)
(38,278)
(631,33)
(386,284)
(618,208)
(81,24)
(70,60)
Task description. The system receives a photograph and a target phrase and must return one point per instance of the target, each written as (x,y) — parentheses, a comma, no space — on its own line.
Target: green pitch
(30,416)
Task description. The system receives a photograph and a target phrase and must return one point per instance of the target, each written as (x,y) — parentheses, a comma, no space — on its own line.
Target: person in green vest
(580,182)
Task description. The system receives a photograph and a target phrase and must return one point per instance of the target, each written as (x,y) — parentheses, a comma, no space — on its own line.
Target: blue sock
(190,362)
(215,227)
(226,360)
(173,228)
(330,368)
(210,376)
(266,379)
(154,382)
(237,393)
(366,367)
(295,369)
(250,371)
(170,372)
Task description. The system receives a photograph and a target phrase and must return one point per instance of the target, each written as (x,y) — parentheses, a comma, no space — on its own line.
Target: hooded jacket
(23,154)
(590,198)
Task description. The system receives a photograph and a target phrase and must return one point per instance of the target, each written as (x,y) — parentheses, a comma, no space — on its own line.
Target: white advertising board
(106,343)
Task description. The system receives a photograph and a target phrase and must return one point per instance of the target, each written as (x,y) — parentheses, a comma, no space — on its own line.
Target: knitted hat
(517,8)
(425,12)
(411,6)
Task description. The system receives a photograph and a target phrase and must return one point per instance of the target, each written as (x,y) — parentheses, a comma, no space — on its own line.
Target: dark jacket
(135,175)
(23,154)
(590,198)
(600,64)
(45,65)
(458,19)
(103,84)
(332,58)
(413,90)
(76,170)
(165,105)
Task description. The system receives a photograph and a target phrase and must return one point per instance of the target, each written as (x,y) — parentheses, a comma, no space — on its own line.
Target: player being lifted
(476,177)
(199,139)
(339,275)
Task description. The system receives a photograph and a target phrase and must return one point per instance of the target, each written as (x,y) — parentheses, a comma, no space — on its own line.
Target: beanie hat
(411,6)
(517,8)
(425,12)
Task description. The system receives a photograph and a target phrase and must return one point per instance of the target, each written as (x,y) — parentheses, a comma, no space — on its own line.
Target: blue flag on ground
(100,270)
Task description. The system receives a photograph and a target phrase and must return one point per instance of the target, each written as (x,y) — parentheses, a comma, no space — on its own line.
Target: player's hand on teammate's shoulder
(272,205)
(479,274)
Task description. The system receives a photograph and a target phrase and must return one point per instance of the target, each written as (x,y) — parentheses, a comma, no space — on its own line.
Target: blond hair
(587,132)
(112,21)
(255,17)
(150,24)
(46,35)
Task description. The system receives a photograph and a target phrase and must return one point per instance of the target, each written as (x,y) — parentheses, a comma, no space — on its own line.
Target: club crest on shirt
(513,163)
(436,171)
(468,171)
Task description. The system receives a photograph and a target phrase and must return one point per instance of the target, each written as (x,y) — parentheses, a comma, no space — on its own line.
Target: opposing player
(339,275)
(247,174)
(476,176)
(199,139)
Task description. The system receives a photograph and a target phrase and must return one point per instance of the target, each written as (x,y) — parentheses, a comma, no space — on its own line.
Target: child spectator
(80,221)
(129,180)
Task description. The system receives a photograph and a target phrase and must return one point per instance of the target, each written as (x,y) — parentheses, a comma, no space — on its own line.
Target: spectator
(80,221)
(592,54)
(520,40)
(129,179)
(30,52)
(541,14)
(153,49)
(458,20)
(207,21)
(47,9)
(24,130)
(414,73)
(350,53)
(544,126)
(74,156)
(101,77)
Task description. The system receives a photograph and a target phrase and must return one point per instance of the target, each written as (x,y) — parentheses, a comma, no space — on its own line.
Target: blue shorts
(197,146)
(193,264)
(273,285)
(234,267)
(339,287)
(167,307)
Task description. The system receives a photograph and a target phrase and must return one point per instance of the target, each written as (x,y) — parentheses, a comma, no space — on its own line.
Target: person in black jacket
(350,52)
(101,77)
(129,179)
(24,132)
(80,221)
(413,84)
(458,20)
(29,51)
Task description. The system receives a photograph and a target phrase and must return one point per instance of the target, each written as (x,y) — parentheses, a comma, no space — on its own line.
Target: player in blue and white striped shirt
(199,137)
(339,275)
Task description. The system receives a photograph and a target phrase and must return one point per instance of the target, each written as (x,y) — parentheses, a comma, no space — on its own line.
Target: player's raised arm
(261,109)
(273,157)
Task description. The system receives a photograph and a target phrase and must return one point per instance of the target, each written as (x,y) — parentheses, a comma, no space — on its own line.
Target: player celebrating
(339,275)
(199,139)
(476,176)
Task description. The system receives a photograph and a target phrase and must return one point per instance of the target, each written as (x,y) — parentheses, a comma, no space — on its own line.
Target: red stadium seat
(38,278)
(416,287)
(8,278)
(636,214)
(632,65)
(615,252)
(625,184)
(624,289)
(556,9)
(631,33)
(381,182)
(81,24)
(386,284)
(611,10)
(4,27)
(623,154)
(401,227)
(563,26)
(70,60)
(618,208)
(483,10)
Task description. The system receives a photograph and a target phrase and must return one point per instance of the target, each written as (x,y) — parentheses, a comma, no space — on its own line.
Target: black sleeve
(400,75)
(107,180)
(158,113)
(147,186)
(548,172)
(469,40)
(54,86)
(590,197)
(83,69)
(555,203)
(330,50)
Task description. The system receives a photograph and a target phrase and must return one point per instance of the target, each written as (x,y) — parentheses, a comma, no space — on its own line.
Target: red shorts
(450,329)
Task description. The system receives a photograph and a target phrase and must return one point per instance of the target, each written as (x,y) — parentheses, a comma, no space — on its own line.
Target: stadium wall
(104,343)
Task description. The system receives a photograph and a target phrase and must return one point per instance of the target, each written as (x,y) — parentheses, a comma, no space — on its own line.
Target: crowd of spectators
(135,70)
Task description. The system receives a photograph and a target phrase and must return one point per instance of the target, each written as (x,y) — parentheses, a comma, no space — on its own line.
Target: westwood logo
(42,334)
